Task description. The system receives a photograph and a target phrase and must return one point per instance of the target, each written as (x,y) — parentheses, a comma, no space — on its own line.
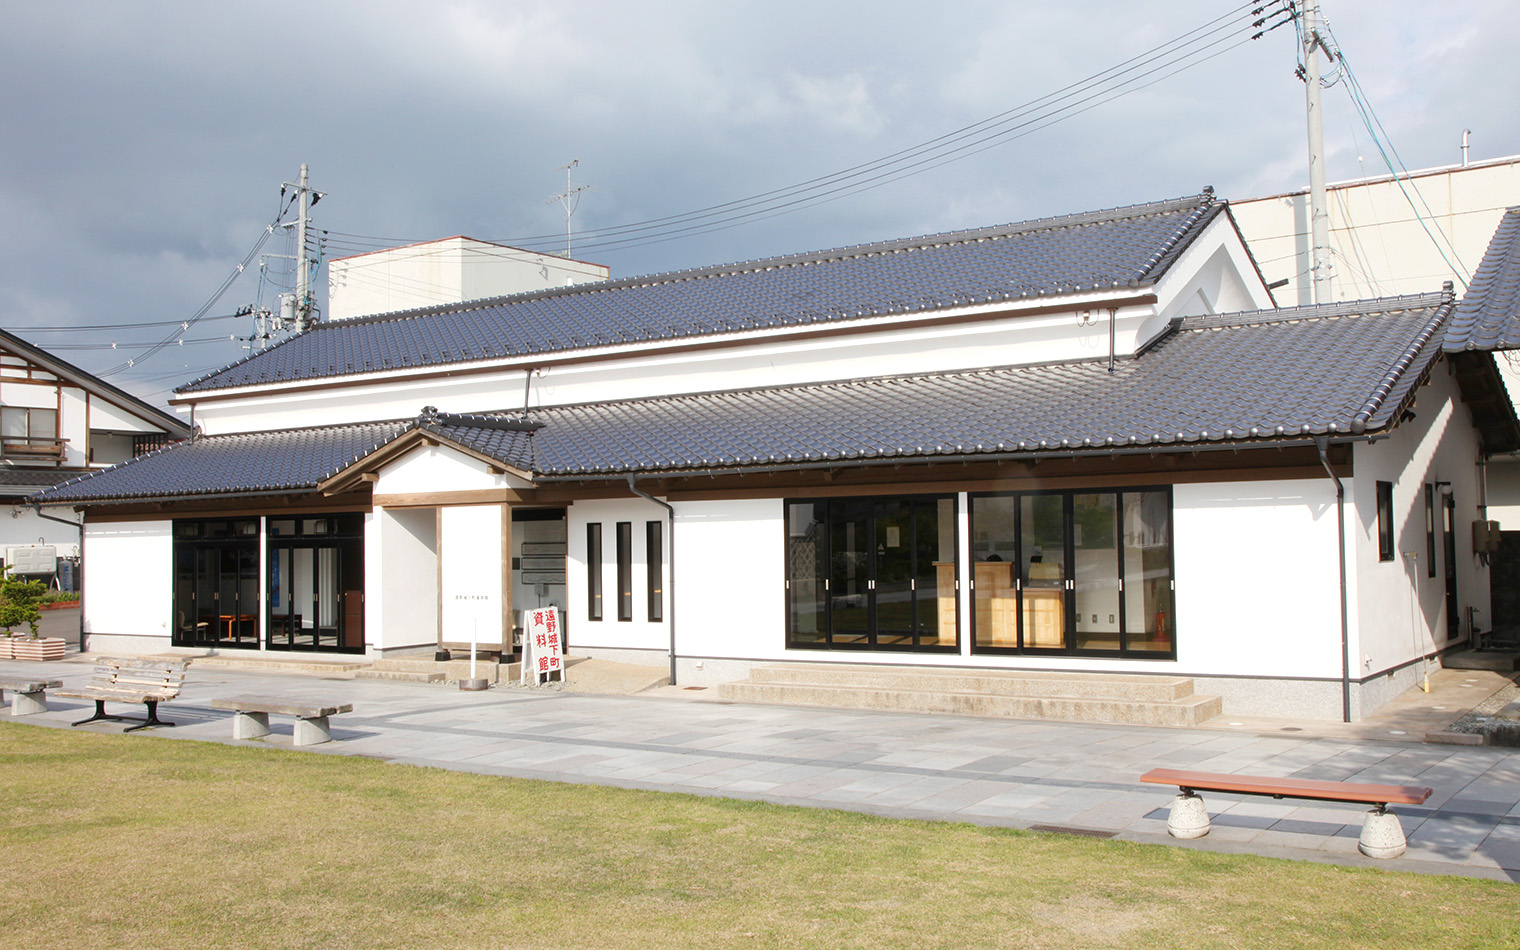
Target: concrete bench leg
(24,704)
(1189,817)
(313,731)
(250,725)
(1382,835)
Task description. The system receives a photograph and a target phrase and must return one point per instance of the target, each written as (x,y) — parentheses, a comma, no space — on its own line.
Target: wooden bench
(131,680)
(1382,836)
(30,696)
(250,717)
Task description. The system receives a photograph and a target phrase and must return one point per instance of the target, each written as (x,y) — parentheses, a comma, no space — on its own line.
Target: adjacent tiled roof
(1488,317)
(290,460)
(1259,376)
(1120,248)
(20,482)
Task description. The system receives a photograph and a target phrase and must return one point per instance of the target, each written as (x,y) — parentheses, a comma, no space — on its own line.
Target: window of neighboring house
(625,570)
(1385,520)
(594,571)
(1430,530)
(654,557)
(32,427)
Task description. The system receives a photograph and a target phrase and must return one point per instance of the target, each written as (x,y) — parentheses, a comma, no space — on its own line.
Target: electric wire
(1036,114)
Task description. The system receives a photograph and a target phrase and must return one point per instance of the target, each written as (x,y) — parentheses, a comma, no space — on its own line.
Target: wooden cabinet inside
(1044,618)
(996,605)
(944,579)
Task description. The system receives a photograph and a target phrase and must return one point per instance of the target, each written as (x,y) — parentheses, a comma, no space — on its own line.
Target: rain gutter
(670,584)
(1322,443)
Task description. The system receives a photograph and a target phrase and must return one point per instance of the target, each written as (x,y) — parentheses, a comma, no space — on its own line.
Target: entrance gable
(439,474)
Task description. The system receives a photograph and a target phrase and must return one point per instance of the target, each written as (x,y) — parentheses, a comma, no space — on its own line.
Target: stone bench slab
(29,696)
(250,719)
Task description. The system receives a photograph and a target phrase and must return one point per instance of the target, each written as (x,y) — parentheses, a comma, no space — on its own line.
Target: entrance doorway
(316,583)
(538,564)
(216,584)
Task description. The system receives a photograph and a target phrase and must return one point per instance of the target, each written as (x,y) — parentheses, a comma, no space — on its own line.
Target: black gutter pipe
(1323,444)
(78,526)
(671,583)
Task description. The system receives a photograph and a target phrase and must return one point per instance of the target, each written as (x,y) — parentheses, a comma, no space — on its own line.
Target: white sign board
(543,647)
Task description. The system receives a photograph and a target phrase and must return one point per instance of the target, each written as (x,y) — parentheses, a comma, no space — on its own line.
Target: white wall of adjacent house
(1379,245)
(449,270)
(128,588)
(1404,613)
(637,638)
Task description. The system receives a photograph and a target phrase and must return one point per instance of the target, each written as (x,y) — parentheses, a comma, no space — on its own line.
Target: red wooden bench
(1382,836)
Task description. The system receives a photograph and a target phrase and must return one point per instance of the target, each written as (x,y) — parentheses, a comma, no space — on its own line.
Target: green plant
(18,603)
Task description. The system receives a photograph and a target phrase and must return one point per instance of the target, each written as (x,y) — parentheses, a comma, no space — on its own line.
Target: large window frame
(216,583)
(314,591)
(873,573)
(1039,567)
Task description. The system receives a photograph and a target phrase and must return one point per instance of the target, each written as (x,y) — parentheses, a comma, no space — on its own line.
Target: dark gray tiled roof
(291,460)
(1268,375)
(1488,317)
(1124,247)
(20,482)
(1292,373)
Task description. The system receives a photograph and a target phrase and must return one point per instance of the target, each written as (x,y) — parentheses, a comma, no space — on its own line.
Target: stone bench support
(250,718)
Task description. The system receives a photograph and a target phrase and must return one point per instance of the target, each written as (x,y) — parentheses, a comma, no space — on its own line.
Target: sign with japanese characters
(543,646)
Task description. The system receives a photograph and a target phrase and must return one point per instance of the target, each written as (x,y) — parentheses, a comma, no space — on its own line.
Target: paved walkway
(986,771)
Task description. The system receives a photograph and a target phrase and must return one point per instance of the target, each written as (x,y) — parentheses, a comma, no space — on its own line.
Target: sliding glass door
(216,583)
(871,573)
(316,583)
(1072,572)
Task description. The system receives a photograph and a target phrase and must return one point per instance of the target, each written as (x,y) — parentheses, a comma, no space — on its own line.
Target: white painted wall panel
(610,633)
(730,580)
(401,578)
(471,591)
(1257,572)
(436,469)
(128,579)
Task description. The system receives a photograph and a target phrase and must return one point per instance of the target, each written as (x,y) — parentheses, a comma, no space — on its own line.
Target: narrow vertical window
(594,570)
(625,570)
(1385,520)
(654,559)
(1430,530)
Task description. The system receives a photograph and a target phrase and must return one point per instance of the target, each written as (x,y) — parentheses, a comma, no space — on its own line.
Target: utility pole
(571,198)
(303,272)
(1319,208)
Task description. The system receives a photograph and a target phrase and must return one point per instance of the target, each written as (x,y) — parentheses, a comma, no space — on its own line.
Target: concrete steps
(1012,694)
(424,670)
(280,664)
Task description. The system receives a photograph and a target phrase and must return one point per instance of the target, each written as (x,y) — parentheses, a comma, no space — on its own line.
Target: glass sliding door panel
(896,622)
(850,573)
(281,607)
(806,564)
(994,552)
(1148,621)
(327,597)
(1095,549)
(934,571)
(1042,549)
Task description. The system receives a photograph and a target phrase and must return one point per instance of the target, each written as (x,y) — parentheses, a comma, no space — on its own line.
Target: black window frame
(1385,521)
(593,570)
(624,550)
(654,569)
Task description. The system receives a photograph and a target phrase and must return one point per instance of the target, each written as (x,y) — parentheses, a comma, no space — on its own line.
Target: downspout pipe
(77,526)
(1322,443)
(670,584)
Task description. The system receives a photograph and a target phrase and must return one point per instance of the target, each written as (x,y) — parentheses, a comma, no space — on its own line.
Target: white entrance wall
(639,639)
(129,586)
(401,579)
(471,591)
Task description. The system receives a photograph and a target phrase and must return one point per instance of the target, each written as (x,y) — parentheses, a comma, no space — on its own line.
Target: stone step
(1052,685)
(280,664)
(401,676)
(1184,711)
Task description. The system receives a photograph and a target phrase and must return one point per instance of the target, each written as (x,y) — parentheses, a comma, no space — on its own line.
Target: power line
(1168,59)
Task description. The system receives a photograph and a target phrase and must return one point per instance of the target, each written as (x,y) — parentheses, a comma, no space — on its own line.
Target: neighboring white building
(58,422)
(444,271)
(1387,236)
(1084,444)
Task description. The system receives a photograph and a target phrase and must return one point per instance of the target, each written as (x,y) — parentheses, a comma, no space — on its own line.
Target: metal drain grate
(694,687)
(1071,830)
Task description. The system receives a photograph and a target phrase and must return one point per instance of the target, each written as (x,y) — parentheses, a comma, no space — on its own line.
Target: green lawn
(118,841)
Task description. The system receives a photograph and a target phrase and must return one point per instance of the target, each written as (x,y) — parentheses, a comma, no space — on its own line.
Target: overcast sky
(144,144)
